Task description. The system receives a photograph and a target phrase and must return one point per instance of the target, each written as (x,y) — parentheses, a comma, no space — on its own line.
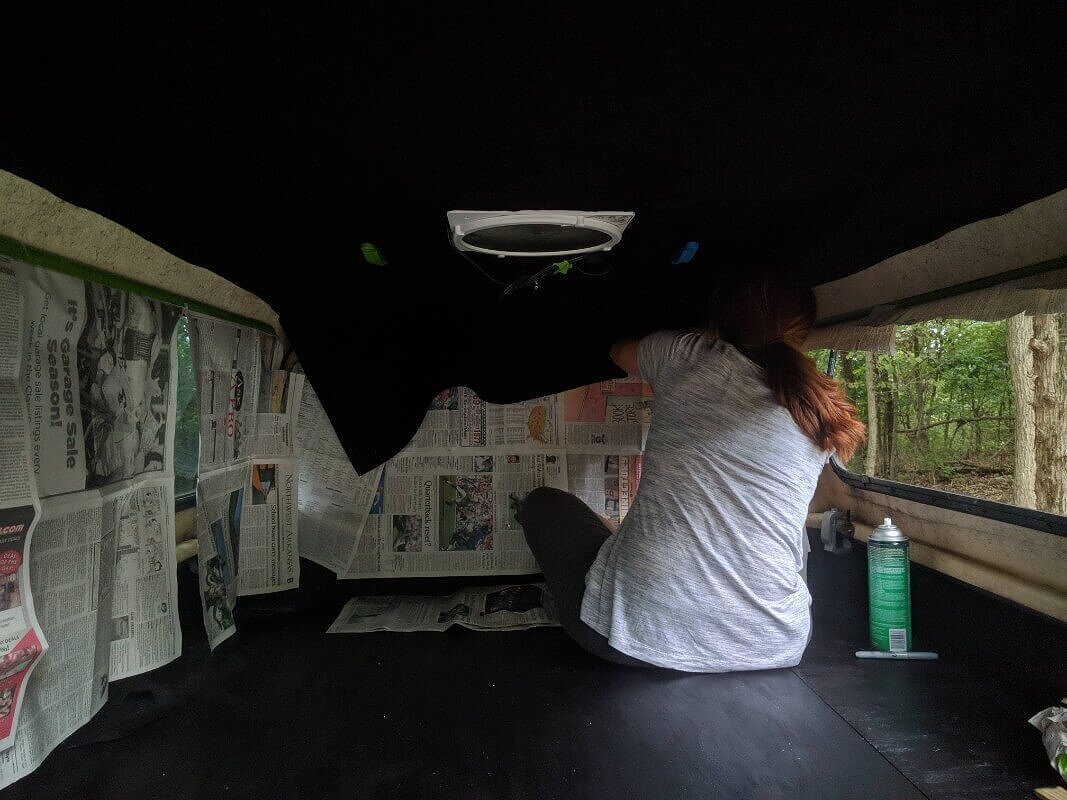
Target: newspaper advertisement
(100,388)
(220,499)
(607,417)
(453,515)
(22,642)
(277,412)
(495,608)
(72,571)
(145,630)
(606,483)
(334,500)
(267,558)
(228,361)
(459,418)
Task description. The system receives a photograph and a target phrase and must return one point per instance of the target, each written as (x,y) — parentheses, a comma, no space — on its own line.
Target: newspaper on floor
(453,515)
(607,483)
(458,418)
(99,366)
(334,501)
(220,501)
(228,361)
(496,608)
(607,417)
(267,558)
(22,642)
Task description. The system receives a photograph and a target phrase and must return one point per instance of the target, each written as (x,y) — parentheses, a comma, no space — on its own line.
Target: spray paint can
(889,588)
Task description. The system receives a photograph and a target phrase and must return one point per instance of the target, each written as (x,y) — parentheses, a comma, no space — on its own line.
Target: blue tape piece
(685,255)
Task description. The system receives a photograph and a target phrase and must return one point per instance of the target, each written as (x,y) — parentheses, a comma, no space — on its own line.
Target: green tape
(43,258)
(373,255)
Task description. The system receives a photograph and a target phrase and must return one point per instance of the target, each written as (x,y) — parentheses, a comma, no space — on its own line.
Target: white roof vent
(537,233)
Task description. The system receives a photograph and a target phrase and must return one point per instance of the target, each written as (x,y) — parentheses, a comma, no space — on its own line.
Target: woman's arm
(624,354)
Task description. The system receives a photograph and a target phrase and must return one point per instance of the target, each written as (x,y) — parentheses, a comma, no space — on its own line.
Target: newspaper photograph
(334,501)
(454,515)
(267,555)
(145,630)
(494,608)
(458,418)
(277,412)
(71,569)
(606,483)
(607,417)
(220,498)
(228,360)
(100,388)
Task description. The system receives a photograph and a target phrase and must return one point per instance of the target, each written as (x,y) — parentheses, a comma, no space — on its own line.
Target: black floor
(285,711)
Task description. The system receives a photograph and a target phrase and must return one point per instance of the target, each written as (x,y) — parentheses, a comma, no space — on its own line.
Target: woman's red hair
(768,317)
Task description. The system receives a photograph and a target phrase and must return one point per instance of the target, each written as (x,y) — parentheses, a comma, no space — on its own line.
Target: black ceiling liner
(268,144)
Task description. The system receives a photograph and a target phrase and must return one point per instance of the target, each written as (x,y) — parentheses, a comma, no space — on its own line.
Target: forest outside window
(187,427)
(967,407)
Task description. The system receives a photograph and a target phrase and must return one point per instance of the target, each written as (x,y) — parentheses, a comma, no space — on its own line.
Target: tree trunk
(1021,364)
(889,428)
(871,467)
(922,435)
(1050,420)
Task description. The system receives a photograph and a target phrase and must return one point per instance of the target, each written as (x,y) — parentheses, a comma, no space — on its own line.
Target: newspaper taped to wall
(458,418)
(220,501)
(454,515)
(22,642)
(72,570)
(334,500)
(496,608)
(99,379)
(228,360)
(277,412)
(267,558)
(145,630)
(607,417)
(606,483)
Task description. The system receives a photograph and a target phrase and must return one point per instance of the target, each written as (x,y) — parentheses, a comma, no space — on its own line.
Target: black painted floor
(283,710)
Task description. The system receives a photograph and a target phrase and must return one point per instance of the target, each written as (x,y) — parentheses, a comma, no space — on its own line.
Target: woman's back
(704,573)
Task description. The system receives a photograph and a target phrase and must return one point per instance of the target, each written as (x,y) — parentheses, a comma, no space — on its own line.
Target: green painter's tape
(42,258)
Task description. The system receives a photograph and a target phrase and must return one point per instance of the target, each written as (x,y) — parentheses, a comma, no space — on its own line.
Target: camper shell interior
(293,177)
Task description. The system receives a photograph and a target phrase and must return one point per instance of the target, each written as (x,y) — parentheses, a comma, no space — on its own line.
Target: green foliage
(944,400)
(187,427)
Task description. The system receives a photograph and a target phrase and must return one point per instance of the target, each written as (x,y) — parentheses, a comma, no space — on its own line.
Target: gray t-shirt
(704,574)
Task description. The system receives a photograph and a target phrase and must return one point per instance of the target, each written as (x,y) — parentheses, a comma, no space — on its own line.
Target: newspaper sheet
(71,569)
(22,641)
(606,483)
(484,608)
(99,369)
(453,515)
(267,557)
(220,499)
(277,412)
(458,418)
(334,500)
(228,361)
(607,417)
(145,630)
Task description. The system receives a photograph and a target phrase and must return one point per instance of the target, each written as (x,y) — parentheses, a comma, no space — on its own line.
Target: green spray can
(889,588)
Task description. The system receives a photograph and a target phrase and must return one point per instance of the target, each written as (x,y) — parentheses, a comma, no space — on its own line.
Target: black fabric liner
(282,710)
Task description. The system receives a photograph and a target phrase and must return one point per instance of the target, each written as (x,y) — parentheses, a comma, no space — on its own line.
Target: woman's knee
(538,506)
